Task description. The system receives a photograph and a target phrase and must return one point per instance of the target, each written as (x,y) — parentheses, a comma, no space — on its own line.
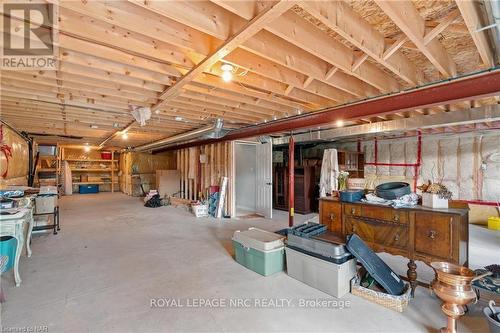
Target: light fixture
(178,118)
(227,72)
(86,148)
(94,126)
(124,135)
(340,123)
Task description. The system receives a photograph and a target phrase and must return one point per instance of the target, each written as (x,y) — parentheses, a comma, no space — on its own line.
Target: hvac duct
(215,130)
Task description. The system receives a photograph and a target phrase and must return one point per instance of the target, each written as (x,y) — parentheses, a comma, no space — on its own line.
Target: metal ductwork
(488,113)
(211,131)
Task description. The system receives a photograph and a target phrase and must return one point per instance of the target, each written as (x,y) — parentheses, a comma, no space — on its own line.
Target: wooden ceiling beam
(298,31)
(114,67)
(247,31)
(114,55)
(147,97)
(237,97)
(342,19)
(281,73)
(278,50)
(242,88)
(404,14)
(445,23)
(145,22)
(231,103)
(396,45)
(474,20)
(338,82)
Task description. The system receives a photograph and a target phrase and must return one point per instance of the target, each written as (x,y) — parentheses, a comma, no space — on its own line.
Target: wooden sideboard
(417,233)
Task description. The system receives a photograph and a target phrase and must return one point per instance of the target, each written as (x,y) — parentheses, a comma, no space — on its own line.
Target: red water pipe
(291,181)
(419,159)
(414,165)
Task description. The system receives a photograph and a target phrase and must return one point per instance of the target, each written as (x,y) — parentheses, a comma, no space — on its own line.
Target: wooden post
(291,181)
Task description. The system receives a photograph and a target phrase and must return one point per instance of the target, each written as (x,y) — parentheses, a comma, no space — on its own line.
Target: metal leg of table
(58,221)
(55,220)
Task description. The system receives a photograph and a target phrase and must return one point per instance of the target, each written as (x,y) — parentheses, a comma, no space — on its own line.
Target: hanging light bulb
(124,135)
(86,148)
(227,76)
(340,123)
(227,72)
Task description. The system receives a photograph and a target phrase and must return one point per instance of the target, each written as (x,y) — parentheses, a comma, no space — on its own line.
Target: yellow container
(494,223)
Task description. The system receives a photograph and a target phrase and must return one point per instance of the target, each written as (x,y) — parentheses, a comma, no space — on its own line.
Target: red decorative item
(106,155)
(6,150)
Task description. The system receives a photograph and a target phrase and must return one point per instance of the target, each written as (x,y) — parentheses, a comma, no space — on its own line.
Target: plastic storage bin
(260,251)
(8,248)
(86,189)
(336,252)
(333,279)
(47,150)
(106,155)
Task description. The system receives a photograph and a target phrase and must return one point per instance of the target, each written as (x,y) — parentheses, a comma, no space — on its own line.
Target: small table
(13,225)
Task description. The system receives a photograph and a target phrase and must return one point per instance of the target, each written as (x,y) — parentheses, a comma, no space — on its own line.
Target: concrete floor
(113,256)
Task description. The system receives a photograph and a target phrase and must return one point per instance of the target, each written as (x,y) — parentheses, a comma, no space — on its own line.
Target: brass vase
(453,285)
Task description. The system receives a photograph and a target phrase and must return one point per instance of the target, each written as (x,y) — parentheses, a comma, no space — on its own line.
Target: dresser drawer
(364,230)
(392,236)
(385,214)
(433,234)
(354,210)
(331,215)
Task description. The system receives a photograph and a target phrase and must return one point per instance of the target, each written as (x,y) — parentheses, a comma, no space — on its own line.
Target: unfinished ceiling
(289,57)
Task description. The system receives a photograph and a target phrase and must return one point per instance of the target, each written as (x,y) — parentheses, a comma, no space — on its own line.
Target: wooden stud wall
(218,164)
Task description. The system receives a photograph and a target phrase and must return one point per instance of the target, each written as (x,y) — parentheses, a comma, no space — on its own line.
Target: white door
(264,176)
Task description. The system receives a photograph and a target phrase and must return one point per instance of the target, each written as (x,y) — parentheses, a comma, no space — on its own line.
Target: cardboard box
(45,204)
(168,182)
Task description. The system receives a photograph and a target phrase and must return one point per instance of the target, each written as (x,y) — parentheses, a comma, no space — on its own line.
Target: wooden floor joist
(289,57)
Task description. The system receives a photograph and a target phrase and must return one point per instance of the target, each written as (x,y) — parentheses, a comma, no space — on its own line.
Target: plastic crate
(262,262)
(333,279)
(308,229)
(329,250)
(87,189)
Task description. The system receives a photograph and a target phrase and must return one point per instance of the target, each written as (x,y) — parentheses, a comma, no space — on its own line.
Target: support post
(291,181)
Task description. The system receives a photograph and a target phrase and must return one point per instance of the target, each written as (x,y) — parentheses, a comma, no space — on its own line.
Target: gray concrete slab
(113,256)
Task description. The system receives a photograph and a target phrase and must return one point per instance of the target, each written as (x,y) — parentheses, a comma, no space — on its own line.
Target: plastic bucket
(8,248)
(494,325)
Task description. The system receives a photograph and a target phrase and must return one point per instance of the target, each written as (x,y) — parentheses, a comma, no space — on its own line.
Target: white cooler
(333,279)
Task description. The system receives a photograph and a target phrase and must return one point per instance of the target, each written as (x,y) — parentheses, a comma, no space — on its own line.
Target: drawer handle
(332,216)
(353,210)
(432,234)
(396,238)
(396,218)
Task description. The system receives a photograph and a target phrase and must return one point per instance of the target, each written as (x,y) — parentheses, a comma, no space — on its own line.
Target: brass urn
(453,285)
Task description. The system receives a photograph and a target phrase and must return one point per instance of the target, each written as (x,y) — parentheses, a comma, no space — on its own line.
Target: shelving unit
(47,169)
(88,171)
